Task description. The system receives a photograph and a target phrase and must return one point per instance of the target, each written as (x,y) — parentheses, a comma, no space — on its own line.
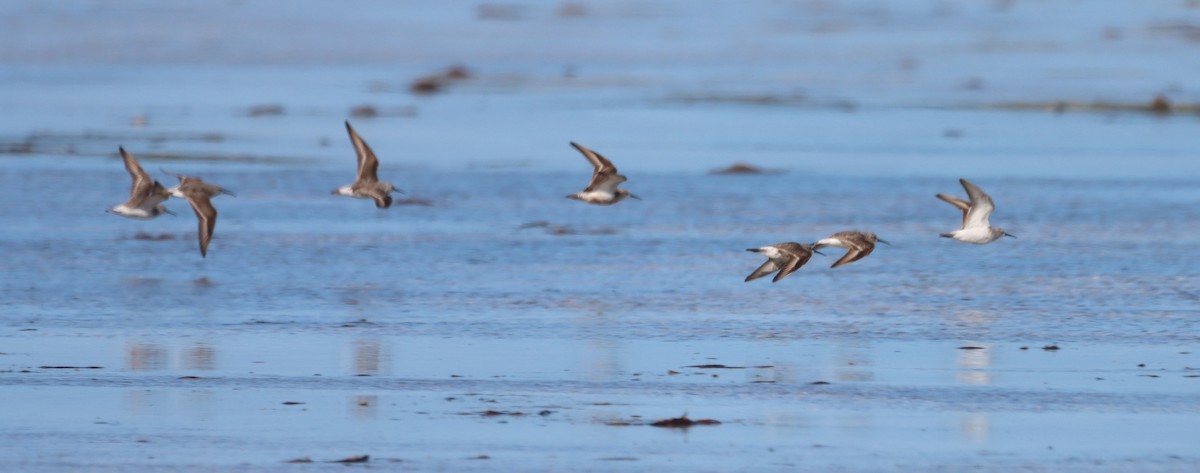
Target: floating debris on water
(371,111)
(434,83)
(499,11)
(1158,105)
(364,111)
(727,367)
(493,413)
(265,110)
(683,422)
(572,10)
(743,169)
(562,230)
(354,459)
(63,367)
(153,237)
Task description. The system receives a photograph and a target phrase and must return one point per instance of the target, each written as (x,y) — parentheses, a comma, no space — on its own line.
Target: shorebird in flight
(857,244)
(975,226)
(783,257)
(199,194)
(603,188)
(367,184)
(146,195)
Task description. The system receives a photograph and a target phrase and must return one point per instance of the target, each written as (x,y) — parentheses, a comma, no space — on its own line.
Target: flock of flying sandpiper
(147,195)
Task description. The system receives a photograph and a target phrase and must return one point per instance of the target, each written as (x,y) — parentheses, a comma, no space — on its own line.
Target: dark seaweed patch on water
(683,422)
(354,459)
(727,367)
(70,367)
(1157,105)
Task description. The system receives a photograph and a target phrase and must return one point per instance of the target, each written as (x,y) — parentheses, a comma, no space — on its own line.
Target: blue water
(396,328)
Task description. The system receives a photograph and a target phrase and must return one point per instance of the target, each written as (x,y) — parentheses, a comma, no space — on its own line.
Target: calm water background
(397,328)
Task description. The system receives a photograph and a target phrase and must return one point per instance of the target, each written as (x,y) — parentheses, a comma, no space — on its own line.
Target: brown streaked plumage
(783,257)
(146,195)
(199,194)
(366,183)
(857,244)
(602,190)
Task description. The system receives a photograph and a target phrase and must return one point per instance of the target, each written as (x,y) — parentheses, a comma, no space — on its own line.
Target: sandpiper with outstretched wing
(367,184)
(976,227)
(857,244)
(602,190)
(199,195)
(146,195)
(783,257)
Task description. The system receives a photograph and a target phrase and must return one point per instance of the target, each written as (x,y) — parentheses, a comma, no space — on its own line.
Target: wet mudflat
(487,323)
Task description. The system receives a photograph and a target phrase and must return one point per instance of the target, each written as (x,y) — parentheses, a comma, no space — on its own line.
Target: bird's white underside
(771,252)
(834,242)
(596,196)
(978,235)
(132,212)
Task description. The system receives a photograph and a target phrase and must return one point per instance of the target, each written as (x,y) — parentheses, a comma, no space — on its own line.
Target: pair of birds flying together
(146,196)
(787,257)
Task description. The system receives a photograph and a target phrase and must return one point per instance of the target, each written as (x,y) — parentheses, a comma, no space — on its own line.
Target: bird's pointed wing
(601,164)
(766,268)
(368,164)
(981,206)
(792,264)
(798,254)
(605,181)
(957,202)
(382,199)
(142,183)
(206,219)
(852,256)
(604,177)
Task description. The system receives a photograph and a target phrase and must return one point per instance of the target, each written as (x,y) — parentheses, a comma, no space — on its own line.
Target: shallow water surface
(494,325)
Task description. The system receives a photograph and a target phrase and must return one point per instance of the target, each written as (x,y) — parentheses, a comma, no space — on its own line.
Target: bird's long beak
(231,194)
(169,212)
(881,240)
(634,197)
(818,252)
(752,250)
(333,192)
(1009,235)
